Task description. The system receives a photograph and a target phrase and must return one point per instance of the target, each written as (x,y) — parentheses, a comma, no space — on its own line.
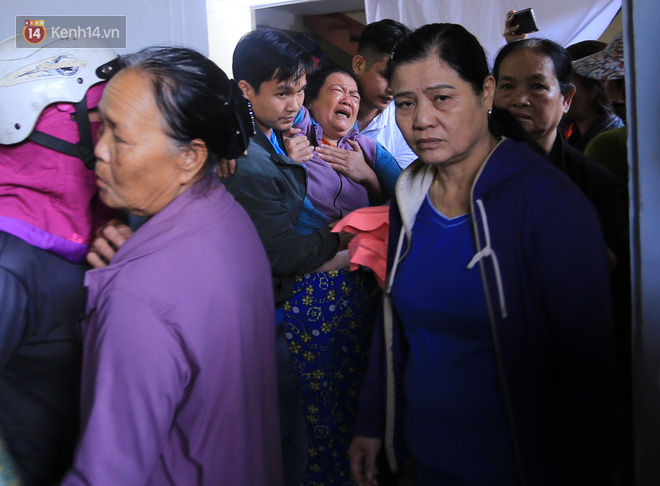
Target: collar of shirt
(275,143)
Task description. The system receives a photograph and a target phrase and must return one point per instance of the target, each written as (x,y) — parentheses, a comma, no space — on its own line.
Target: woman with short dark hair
(178,378)
(329,316)
(492,360)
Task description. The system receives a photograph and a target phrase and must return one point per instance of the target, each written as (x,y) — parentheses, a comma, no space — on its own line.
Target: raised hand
(510,30)
(297,146)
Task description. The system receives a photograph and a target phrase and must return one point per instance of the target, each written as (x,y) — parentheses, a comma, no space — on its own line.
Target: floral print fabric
(328,322)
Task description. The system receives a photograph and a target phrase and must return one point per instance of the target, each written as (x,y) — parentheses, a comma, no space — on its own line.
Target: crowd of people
(231,338)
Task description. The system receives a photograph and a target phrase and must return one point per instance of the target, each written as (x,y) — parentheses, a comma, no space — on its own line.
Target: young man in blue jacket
(270,69)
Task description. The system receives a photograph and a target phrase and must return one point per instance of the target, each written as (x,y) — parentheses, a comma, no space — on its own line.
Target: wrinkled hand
(297,146)
(226,167)
(108,239)
(509,30)
(362,454)
(338,262)
(351,163)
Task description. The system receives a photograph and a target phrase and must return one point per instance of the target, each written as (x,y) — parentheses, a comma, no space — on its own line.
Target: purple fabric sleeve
(69,250)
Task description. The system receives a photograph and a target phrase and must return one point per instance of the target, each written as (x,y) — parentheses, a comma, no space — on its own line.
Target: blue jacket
(545,273)
(271,188)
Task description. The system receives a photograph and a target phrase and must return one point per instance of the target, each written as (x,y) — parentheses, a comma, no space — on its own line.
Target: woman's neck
(547,141)
(332,136)
(329,140)
(452,186)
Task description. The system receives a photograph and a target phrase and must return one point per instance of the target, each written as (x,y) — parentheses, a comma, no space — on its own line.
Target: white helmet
(62,70)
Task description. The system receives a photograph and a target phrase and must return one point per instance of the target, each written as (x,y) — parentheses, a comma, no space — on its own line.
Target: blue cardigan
(545,273)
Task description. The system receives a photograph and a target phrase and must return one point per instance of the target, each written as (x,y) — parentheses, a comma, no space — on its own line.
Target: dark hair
(267,53)
(457,47)
(602,105)
(196,99)
(619,107)
(585,48)
(316,79)
(561,60)
(379,38)
(451,43)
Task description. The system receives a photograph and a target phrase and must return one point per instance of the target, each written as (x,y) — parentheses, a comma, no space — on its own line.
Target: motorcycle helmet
(61,70)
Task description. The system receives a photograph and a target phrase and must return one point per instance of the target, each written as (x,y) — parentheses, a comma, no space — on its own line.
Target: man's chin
(283,127)
(381,104)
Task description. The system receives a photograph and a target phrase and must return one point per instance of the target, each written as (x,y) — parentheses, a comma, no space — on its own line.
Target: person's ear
(568,97)
(193,158)
(246,88)
(359,63)
(591,92)
(489,92)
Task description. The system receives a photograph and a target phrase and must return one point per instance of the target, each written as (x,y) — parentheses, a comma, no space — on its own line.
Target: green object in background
(8,472)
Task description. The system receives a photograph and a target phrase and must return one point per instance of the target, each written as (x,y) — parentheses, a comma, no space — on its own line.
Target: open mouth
(342,112)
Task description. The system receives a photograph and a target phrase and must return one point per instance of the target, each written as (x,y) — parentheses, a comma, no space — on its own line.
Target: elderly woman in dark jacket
(534,84)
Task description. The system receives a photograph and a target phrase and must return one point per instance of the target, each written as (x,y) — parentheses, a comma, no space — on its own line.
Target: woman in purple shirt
(329,317)
(178,380)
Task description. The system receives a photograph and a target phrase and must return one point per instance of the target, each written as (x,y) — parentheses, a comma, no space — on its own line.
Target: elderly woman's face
(528,88)
(138,168)
(336,106)
(441,117)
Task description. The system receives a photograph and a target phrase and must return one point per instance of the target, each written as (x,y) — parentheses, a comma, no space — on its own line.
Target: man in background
(376,118)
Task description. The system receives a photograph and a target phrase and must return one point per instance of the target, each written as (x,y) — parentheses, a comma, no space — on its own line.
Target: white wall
(181,22)
(228,21)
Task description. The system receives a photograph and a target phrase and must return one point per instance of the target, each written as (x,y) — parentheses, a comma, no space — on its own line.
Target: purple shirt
(179,354)
(331,192)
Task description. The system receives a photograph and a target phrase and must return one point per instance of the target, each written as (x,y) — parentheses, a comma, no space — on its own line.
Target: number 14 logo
(34,31)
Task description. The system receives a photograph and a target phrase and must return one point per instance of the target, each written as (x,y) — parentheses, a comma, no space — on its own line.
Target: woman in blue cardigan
(492,360)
